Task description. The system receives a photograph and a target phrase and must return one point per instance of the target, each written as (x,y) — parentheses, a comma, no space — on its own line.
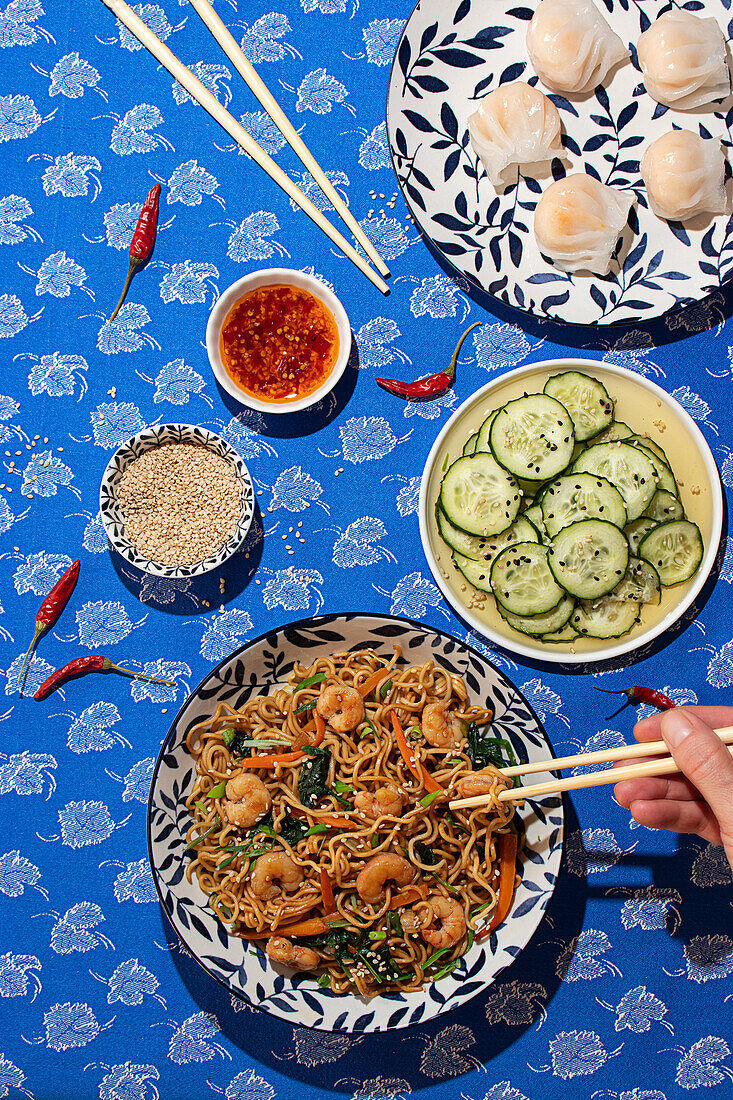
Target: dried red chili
(52,606)
(143,240)
(81,666)
(636,694)
(424,389)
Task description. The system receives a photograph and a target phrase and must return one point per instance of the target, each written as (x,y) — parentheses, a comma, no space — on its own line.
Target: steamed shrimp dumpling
(683,59)
(578,221)
(684,175)
(571,46)
(514,125)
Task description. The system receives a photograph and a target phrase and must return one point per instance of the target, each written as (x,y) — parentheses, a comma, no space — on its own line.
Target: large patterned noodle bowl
(297,997)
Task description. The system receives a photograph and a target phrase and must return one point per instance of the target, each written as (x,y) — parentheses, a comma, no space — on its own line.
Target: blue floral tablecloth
(625,991)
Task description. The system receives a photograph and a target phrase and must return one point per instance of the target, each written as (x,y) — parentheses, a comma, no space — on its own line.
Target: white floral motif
(326,7)
(680,697)
(592,851)
(388,236)
(224,633)
(261,41)
(69,176)
(291,589)
(154,17)
(189,183)
(70,1025)
(711,868)
(129,983)
(91,731)
(354,545)
(58,274)
(378,1088)
(95,537)
(248,1085)
(189,1041)
(212,77)
(122,334)
(137,781)
(694,405)
(43,475)
(444,1056)
(113,423)
(295,490)
(39,572)
(175,382)
(631,351)
(649,908)
(26,773)
(577,1054)
(504,1091)
(71,75)
(133,132)
(102,623)
(412,596)
(19,117)
(500,346)
(84,823)
(16,975)
(57,375)
(13,317)
(513,1003)
(188,282)
(73,932)
(13,210)
(604,739)
(638,1009)
(248,240)
(11,1077)
(408,497)
(700,1066)
(726,570)
(246,441)
(318,91)
(544,700)
(374,149)
(36,672)
(313,1048)
(136,883)
(709,957)
(580,959)
(380,39)
(367,439)
(260,126)
(430,410)
(16,30)
(437,296)
(161,670)
(129,1081)
(372,340)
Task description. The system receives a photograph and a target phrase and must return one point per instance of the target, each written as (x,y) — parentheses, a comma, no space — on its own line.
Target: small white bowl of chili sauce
(278,340)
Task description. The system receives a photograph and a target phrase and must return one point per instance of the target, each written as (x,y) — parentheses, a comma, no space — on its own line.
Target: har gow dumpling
(684,175)
(514,125)
(571,46)
(578,221)
(683,60)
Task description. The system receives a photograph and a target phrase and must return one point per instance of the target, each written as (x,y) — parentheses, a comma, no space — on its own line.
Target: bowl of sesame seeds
(176,500)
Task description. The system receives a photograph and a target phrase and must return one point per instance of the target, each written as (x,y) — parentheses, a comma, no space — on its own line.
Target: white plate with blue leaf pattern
(450,55)
(247,973)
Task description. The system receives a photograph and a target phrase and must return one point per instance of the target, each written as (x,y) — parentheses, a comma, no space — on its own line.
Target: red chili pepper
(424,389)
(81,666)
(52,606)
(638,694)
(142,242)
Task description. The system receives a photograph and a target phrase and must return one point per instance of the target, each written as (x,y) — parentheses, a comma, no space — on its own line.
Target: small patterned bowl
(113,520)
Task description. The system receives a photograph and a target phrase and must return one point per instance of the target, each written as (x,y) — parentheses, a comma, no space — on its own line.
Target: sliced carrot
(335,822)
(272,761)
(507,871)
(320,730)
(421,774)
(372,682)
(407,897)
(312,926)
(329,902)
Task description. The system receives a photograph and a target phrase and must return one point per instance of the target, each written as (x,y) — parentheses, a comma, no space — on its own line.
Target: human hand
(700,800)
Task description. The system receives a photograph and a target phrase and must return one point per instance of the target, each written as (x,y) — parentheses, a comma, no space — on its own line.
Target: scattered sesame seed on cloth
(180,502)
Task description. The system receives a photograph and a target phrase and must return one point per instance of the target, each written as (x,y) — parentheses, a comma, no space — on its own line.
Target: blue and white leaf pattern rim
(297,997)
(114,520)
(448,58)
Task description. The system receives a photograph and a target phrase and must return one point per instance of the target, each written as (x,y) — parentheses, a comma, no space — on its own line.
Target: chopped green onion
(456,825)
(232,847)
(434,957)
(455,760)
(264,743)
(428,799)
(375,973)
(415,732)
(227,861)
(385,689)
(314,829)
(203,836)
(340,923)
(218,790)
(446,970)
(442,881)
(480,908)
(310,681)
(446,460)
(394,922)
(370,729)
(470,938)
(202,806)
(228,736)
(341,787)
(377,934)
(308,705)
(225,910)
(375,840)
(324,981)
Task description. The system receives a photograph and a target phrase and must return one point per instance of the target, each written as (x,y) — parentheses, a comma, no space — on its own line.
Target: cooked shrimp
(341,706)
(439,728)
(476,784)
(247,800)
(385,800)
(452,926)
(271,868)
(284,951)
(386,866)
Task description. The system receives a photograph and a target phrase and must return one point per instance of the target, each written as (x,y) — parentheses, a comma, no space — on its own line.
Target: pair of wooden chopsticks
(210,103)
(666,766)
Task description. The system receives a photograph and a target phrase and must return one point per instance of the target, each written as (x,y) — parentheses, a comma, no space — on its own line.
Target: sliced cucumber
(640,584)
(578,496)
(534,515)
(665,477)
(585,398)
(638,530)
(482,439)
(476,570)
(588,559)
(616,430)
(545,624)
(522,582)
(479,496)
(664,506)
(470,445)
(675,550)
(568,633)
(533,437)
(626,467)
(652,445)
(470,546)
(604,618)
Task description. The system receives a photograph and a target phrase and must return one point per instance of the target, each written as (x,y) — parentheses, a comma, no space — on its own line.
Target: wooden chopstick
(210,103)
(665,766)
(255,83)
(603,756)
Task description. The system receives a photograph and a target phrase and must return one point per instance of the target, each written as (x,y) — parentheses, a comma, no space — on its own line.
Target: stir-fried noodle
(320,823)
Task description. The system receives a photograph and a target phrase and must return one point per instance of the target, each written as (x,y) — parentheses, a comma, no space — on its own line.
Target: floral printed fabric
(625,990)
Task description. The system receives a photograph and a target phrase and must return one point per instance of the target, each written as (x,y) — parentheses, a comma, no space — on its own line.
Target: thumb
(706,762)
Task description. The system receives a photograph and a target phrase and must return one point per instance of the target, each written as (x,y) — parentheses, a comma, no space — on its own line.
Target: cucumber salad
(565,516)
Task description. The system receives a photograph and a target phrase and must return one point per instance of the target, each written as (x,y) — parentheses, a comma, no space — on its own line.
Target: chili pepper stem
(40,627)
(139,675)
(450,370)
(134,265)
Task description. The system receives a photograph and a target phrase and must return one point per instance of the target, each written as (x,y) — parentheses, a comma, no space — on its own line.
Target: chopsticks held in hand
(210,103)
(256,85)
(665,766)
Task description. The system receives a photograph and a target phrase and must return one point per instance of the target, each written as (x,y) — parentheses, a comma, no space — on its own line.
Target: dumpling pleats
(578,222)
(515,125)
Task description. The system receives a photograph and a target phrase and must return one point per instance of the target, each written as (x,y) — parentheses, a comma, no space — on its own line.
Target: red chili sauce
(279,343)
